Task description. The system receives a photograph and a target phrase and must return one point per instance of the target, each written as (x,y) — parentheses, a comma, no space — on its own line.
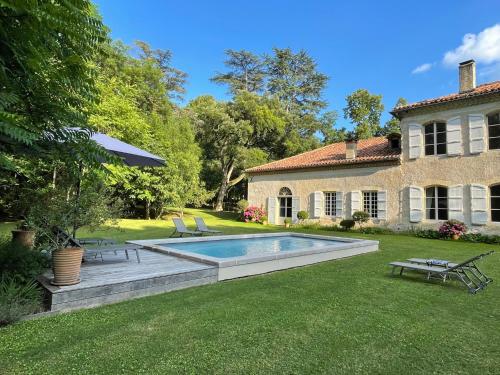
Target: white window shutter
(479,204)
(271,209)
(477,134)
(382,204)
(455,202)
(415,140)
(339,204)
(416,204)
(355,201)
(295,208)
(454,136)
(318,204)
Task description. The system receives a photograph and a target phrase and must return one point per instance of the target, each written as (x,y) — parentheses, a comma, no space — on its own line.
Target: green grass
(347,316)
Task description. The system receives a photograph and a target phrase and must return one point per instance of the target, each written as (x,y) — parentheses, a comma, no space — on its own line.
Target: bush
(452,228)
(17,299)
(375,230)
(302,215)
(427,233)
(20,262)
(481,238)
(347,224)
(253,214)
(242,205)
(287,220)
(360,217)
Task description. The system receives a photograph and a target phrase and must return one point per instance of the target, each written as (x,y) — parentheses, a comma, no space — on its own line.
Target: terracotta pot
(455,237)
(287,225)
(23,237)
(66,265)
(264,222)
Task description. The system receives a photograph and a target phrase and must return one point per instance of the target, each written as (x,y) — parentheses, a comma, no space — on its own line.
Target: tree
(330,134)
(45,73)
(246,72)
(393,125)
(294,79)
(364,109)
(234,136)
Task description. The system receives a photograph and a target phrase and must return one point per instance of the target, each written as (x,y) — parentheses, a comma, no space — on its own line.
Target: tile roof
(485,89)
(368,151)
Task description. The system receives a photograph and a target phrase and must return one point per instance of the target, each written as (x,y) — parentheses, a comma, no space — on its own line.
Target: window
(285,206)
(436,203)
(285,191)
(494,131)
(370,203)
(495,203)
(285,197)
(435,138)
(330,203)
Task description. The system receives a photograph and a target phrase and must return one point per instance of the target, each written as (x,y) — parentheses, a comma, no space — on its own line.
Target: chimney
(467,75)
(351,147)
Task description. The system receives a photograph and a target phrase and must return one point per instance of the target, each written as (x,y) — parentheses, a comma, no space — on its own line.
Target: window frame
(436,199)
(287,207)
(489,126)
(435,134)
(370,205)
(330,203)
(491,203)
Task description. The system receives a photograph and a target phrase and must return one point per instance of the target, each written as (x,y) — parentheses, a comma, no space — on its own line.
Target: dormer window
(435,138)
(494,131)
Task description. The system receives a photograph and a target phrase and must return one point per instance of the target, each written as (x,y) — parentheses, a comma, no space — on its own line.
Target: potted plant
(287,222)
(453,229)
(302,216)
(56,217)
(24,234)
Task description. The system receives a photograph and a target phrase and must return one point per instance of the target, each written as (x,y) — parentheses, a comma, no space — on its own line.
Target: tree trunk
(147,210)
(227,171)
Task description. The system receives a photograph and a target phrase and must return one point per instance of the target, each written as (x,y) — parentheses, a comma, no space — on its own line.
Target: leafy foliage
(347,224)
(302,215)
(19,261)
(364,110)
(17,299)
(452,228)
(360,217)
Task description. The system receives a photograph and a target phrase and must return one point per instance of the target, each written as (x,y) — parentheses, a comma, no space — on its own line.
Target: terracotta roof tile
(368,151)
(485,89)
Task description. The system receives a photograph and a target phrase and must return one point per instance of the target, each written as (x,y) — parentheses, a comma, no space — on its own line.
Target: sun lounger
(180,228)
(202,227)
(467,272)
(114,248)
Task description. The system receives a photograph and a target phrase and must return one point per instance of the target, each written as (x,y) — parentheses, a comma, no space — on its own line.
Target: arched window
(436,203)
(494,131)
(435,138)
(284,191)
(285,198)
(495,202)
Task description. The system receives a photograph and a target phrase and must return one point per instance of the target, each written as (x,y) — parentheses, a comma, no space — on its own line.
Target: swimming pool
(252,254)
(249,246)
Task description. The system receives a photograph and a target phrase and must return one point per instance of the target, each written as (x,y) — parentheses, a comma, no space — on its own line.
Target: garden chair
(181,228)
(467,272)
(202,227)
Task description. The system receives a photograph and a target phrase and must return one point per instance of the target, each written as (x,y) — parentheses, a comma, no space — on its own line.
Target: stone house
(445,165)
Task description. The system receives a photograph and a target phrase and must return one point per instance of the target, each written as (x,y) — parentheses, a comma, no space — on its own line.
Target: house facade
(446,165)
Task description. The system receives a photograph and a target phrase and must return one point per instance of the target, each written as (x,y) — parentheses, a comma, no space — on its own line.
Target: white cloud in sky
(422,68)
(483,47)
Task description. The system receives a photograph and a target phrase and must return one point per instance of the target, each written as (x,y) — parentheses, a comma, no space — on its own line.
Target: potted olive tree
(59,213)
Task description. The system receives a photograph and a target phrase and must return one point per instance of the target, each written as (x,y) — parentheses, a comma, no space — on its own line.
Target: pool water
(250,246)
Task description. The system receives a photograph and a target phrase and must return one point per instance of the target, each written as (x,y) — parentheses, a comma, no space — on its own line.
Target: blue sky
(393,48)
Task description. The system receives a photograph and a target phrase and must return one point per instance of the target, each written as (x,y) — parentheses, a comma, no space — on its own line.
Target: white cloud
(422,68)
(483,47)
(490,72)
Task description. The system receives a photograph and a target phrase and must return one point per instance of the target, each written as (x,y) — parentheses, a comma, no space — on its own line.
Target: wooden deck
(117,279)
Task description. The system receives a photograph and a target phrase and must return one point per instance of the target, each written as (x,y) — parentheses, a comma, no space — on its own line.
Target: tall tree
(328,130)
(45,74)
(393,125)
(364,109)
(235,136)
(294,79)
(246,72)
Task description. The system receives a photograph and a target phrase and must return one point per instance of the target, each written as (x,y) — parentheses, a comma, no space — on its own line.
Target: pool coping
(346,244)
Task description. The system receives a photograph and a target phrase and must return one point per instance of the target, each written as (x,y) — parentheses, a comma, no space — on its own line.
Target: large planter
(23,237)
(66,265)
(455,237)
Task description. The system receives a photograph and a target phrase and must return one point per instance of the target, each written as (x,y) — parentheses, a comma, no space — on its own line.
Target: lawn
(346,316)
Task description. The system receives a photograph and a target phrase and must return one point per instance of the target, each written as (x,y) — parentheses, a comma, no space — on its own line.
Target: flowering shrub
(451,228)
(254,214)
